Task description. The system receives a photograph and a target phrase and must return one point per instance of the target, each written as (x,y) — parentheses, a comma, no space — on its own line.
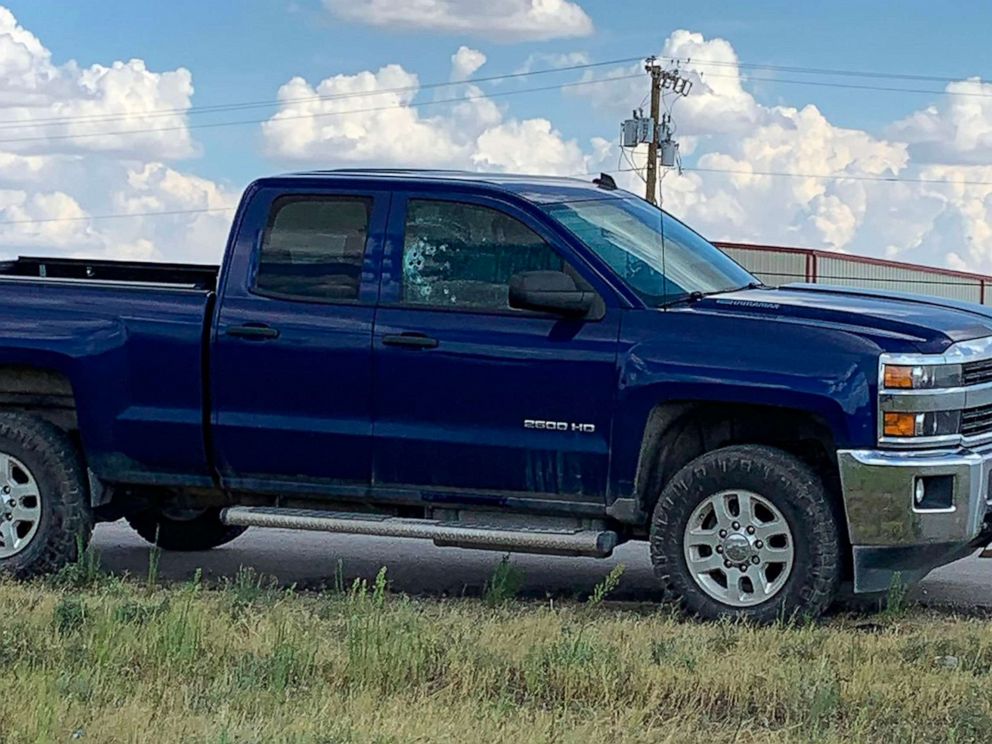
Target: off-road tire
(796,492)
(66,522)
(203,532)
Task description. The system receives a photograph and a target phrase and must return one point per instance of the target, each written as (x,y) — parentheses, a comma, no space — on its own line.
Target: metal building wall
(781,265)
(856,274)
(771,267)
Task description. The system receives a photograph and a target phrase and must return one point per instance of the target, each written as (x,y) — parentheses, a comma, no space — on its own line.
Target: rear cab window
(313,248)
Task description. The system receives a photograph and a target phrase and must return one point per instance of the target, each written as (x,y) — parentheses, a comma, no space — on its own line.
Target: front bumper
(889,534)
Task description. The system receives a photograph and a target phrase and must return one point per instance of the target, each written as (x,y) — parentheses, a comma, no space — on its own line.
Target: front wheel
(747,532)
(183,529)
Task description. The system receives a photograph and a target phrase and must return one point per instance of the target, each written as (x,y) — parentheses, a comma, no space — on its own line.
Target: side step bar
(577,542)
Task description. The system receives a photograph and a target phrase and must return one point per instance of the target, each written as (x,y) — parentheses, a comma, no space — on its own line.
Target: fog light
(934,492)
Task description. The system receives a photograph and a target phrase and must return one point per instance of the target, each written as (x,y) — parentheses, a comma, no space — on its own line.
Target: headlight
(936,400)
(921,376)
(929,424)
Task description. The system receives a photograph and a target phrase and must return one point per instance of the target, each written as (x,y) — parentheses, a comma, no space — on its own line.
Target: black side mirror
(549,292)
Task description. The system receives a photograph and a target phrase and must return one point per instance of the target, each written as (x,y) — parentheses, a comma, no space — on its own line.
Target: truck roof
(537,189)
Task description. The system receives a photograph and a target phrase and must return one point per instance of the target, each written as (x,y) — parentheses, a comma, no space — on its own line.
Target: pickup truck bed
(131,342)
(194,276)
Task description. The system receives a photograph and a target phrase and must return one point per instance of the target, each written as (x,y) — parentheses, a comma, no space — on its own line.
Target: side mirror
(549,292)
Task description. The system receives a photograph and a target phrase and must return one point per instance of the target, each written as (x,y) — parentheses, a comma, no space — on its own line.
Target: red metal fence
(780,265)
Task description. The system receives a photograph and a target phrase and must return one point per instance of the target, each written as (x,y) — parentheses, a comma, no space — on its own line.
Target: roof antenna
(605,181)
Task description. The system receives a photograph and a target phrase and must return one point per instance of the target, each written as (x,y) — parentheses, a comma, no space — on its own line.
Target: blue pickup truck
(502,362)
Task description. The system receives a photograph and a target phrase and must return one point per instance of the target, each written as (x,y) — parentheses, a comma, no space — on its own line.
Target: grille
(975,373)
(976,421)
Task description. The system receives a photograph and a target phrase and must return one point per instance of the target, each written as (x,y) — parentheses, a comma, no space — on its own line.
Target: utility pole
(655,71)
(655,130)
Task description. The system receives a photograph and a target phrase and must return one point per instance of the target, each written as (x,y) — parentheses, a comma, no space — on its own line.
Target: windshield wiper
(687,299)
(749,285)
(695,296)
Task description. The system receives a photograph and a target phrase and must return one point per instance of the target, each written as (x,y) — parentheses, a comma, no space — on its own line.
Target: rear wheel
(44,507)
(747,532)
(173,528)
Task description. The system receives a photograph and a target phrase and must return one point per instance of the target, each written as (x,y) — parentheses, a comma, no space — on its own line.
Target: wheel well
(41,392)
(677,433)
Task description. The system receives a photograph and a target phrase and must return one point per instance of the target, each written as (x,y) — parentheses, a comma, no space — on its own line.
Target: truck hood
(932,323)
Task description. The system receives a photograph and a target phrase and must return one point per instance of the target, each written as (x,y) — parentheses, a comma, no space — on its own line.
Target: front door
(475,401)
(292,358)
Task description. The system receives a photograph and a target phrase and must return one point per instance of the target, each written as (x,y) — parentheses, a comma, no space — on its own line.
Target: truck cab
(501,362)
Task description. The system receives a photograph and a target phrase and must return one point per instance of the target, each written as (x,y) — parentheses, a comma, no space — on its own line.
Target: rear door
(476,401)
(292,359)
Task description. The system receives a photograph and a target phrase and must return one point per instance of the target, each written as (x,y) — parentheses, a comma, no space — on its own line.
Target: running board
(576,542)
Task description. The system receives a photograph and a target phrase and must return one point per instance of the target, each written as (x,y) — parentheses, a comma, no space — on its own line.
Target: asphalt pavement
(313,560)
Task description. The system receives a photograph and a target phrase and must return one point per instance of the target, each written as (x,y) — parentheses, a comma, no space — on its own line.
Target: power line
(727,171)
(117,216)
(176,212)
(853,86)
(842,176)
(214,125)
(826,176)
(245,105)
(819,70)
(363,94)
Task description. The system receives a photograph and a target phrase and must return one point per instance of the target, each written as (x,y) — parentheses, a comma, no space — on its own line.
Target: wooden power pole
(654,131)
(652,174)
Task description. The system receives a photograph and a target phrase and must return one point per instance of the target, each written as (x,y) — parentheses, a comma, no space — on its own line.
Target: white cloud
(735,139)
(369,119)
(387,131)
(957,129)
(501,20)
(718,103)
(49,108)
(818,213)
(531,146)
(56,180)
(465,62)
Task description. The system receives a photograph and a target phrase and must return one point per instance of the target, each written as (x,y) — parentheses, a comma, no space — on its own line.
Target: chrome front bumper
(889,534)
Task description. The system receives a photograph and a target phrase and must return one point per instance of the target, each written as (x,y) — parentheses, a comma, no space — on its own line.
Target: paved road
(311,560)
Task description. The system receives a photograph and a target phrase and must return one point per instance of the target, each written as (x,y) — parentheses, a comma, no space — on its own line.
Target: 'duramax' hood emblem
(749,304)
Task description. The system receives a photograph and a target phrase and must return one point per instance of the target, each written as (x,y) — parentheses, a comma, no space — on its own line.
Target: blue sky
(58,56)
(243,50)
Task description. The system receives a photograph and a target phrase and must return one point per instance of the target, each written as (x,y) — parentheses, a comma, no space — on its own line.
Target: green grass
(99,659)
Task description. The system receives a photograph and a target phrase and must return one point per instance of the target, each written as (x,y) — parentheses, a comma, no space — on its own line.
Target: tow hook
(985,537)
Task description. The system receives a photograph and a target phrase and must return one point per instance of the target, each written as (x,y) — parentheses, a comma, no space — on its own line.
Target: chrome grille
(976,373)
(976,421)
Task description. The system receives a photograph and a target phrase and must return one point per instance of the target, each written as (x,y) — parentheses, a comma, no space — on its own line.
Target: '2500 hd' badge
(559,426)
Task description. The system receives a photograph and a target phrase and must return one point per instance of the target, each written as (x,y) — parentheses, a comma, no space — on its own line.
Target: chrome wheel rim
(738,548)
(20,506)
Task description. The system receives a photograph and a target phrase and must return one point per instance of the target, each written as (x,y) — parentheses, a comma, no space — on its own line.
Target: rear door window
(314,248)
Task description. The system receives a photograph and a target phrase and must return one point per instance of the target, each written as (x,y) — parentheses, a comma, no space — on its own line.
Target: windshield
(628,234)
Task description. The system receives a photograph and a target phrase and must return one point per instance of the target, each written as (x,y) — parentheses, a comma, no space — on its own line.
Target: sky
(128,129)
